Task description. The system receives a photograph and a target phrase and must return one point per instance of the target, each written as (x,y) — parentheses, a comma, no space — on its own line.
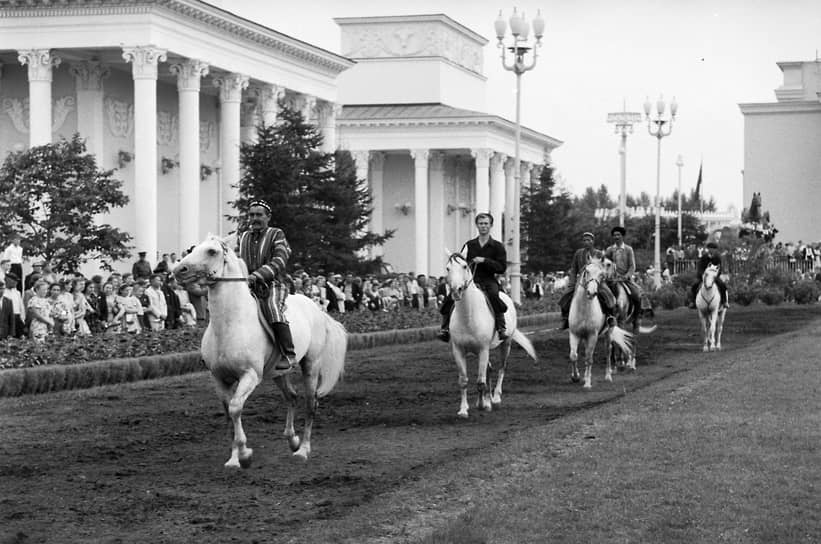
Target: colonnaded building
(782,152)
(166,90)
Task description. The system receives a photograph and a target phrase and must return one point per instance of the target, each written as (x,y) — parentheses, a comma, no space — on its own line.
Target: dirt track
(143,462)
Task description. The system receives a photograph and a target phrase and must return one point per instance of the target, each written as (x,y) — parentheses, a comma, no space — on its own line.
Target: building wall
(397,188)
(783,163)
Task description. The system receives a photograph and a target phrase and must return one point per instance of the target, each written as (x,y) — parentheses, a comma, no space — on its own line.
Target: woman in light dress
(110,312)
(39,313)
(81,307)
(131,309)
(61,312)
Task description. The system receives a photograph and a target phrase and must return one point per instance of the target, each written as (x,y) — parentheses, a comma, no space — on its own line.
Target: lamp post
(680,164)
(520,30)
(624,125)
(659,127)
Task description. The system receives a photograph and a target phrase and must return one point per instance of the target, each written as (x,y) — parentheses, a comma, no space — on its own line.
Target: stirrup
(443,335)
(284,364)
(502,333)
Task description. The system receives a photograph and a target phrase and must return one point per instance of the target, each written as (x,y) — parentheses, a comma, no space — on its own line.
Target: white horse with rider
(711,311)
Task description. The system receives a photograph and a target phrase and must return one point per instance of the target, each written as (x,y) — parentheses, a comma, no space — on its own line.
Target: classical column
(189,73)
(497,193)
(40,63)
(231,86)
(268,97)
(326,116)
(510,181)
(420,209)
(438,203)
(376,173)
(89,76)
(248,120)
(144,61)
(482,161)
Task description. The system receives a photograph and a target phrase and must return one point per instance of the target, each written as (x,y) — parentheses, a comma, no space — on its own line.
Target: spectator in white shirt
(14,254)
(157,310)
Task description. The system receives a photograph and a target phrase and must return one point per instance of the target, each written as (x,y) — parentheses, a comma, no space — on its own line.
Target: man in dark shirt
(490,258)
(577,265)
(711,256)
(142,268)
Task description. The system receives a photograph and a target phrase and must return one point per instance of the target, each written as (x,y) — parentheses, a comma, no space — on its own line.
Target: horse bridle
(456,256)
(212,278)
(585,284)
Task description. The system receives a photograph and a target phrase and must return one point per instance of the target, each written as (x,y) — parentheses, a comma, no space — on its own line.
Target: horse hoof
(245,463)
(587,387)
(231,464)
(293,442)
(462,414)
(301,454)
(608,378)
(705,349)
(575,379)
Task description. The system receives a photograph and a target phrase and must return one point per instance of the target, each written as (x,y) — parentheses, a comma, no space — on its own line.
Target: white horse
(586,321)
(710,310)
(473,330)
(238,350)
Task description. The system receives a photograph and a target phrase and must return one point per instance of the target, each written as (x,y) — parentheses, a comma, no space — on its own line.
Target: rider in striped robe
(266,252)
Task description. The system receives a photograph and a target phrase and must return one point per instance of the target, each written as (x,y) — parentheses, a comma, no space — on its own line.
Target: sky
(598,56)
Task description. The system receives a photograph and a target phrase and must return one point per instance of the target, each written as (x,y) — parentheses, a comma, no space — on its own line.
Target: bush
(668,297)
(805,292)
(742,293)
(685,280)
(771,296)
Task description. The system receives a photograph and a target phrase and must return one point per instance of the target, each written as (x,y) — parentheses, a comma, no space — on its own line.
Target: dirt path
(143,462)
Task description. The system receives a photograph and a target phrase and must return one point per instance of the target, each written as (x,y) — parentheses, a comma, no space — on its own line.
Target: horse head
(709,276)
(207,261)
(458,275)
(593,275)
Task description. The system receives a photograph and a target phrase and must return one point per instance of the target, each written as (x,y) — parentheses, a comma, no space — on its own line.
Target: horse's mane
(228,244)
(457,256)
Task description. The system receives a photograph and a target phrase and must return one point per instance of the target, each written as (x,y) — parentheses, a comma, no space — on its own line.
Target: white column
(248,120)
(231,86)
(89,77)
(189,74)
(509,183)
(420,209)
(437,203)
(362,159)
(482,161)
(376,173)
(497,193)
(326,116)
(269,96)
(40,63)
(144,61)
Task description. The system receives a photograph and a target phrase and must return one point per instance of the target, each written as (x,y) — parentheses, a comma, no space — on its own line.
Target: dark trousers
(17,268)
(491,288)
(722,289)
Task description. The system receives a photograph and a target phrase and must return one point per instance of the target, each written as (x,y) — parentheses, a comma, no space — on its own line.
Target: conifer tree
(548,225)
(315,196)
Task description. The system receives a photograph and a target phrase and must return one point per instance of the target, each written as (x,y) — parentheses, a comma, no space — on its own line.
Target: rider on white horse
(490,258)
(266,252)
(624,264)
(710,256)
(580,260)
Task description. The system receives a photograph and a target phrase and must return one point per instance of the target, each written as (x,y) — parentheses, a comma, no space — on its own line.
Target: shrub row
(671,296)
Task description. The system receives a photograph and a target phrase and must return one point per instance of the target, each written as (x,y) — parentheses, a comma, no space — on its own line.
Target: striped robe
(266,259)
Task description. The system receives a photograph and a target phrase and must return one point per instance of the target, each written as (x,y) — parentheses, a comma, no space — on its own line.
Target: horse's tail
(332,356)
(644,329)
(623,339)
(525,343)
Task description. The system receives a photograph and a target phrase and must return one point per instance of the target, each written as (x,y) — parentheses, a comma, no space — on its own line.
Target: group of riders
(265,251)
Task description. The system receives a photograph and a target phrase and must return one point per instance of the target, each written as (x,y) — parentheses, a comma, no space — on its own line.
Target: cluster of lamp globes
(519,27)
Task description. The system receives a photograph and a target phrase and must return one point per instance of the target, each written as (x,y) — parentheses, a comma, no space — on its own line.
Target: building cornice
(780,107)
(201,12)
(435,17)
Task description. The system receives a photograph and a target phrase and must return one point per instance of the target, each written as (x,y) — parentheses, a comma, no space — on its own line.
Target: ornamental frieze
(412,40)
(120,117)
(18,111)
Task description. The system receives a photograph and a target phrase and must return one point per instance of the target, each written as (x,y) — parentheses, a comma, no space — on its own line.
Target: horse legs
(311,381)
(483,402)
(504,353)
(240,454)
(290,396)
(589,350)
(461,366)
(704,332)
(574,358)
(631,361)
(611,355)
(712,335)
(719,328)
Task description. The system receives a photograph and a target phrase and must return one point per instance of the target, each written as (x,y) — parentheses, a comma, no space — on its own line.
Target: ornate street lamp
(659,127)
(623,120)
(520,30)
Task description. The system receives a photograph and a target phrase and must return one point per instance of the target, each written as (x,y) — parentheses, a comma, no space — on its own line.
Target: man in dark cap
(624,264)
(580,259)
(142,268)
(7,321)
(265,251)
(710,256)
(489,258)
(18,308)
(36,274)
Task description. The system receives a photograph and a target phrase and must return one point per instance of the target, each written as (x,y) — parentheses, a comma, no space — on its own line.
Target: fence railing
(739,266)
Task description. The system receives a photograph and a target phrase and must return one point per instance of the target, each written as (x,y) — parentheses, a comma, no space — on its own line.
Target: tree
(51,195)
(316,198)
(548,235)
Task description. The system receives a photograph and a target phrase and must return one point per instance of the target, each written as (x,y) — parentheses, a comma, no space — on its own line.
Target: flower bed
(22,353)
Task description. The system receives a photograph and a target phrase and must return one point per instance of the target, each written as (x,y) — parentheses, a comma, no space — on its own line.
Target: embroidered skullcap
(712,245)
(588,235)
(261,204)
(616,229)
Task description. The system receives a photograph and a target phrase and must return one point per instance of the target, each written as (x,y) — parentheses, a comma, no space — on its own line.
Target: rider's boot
(444,331)
(285,342)
(500,326)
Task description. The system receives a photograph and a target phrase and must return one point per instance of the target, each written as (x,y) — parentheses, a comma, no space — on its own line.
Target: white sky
(710,54)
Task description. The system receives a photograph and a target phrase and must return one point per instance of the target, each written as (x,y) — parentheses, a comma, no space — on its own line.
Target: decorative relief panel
(18,111)
(167,128)
(208,131)
(120,116)
(428,39)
